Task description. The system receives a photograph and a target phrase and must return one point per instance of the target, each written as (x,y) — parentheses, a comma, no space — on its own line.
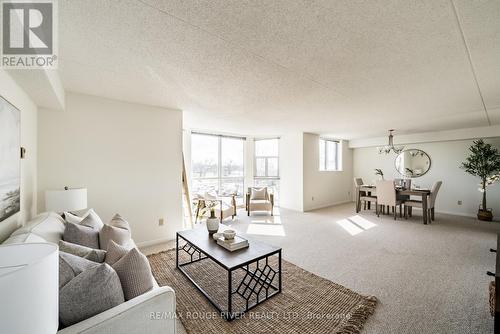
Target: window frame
(338,155)
(220,170)
(266,159)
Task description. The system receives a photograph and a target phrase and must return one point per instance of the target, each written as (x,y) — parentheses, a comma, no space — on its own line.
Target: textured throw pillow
(96,255)
(119,235)
(258,194)
(70,266)
(71,218)
(81,235)
(135,274)
(91,219)
(115,252)
(118,221)
(93,291)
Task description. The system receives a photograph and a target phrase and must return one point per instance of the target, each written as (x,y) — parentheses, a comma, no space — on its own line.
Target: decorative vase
(212,223)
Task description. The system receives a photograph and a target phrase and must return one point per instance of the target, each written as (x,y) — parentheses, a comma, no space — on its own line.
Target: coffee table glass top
(200,238)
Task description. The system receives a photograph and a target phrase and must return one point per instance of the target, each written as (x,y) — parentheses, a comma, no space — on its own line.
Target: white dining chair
(431,202)
(386,196)
(363,196)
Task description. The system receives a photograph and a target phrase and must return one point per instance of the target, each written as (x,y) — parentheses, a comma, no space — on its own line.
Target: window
(266,172)
(266,158)
(217,164)
(329,155)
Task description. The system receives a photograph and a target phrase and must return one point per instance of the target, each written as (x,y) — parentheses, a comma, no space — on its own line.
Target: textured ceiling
(346,68)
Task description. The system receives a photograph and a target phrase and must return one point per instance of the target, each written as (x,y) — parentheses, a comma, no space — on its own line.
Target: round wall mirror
(412,163)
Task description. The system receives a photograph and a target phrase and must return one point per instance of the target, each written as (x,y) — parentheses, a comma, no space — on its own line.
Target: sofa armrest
(152,312)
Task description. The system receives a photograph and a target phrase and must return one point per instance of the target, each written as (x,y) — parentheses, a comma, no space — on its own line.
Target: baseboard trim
(326,205)
(153,242)
(461,214)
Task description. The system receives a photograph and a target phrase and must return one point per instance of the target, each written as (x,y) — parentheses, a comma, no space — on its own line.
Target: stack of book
(232,244)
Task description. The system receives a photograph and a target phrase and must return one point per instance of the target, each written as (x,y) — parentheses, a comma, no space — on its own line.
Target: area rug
(307,304)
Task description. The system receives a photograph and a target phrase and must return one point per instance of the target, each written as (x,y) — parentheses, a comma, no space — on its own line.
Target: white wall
(446,157)
(325,188)
(16,95)
(129,156)
(292,171)
(249,162)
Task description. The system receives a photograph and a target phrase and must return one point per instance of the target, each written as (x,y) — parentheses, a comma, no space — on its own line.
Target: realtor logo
(29,34)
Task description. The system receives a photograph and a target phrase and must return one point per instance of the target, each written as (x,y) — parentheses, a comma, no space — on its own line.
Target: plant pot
(212,225)
(486,215)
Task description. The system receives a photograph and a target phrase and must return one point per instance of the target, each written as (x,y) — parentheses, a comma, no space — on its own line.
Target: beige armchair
(224,207)
(259,199)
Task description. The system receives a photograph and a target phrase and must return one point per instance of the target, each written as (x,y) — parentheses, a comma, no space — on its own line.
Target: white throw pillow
(71,218)
(258,194)
(90,218)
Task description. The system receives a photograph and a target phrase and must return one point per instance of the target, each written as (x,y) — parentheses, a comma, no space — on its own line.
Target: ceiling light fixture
(388,148)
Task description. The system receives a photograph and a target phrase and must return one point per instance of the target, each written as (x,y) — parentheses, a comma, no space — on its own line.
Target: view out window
(329,155)
(266,172)
(217,164)
(266,158)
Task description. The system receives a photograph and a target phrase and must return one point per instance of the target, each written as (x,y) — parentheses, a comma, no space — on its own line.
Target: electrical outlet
(161,222)
(459,202)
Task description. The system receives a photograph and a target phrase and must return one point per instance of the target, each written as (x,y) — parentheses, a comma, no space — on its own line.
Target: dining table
(369,189)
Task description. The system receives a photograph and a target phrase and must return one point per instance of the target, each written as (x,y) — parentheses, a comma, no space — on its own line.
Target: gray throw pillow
(135,274)
(70,266)
(96,255)
(81,235)
(118,221)
(92,220)
(119,235)
(115,252)
(93,291)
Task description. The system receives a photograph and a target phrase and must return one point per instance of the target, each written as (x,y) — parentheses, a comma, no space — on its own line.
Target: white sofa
(152,312)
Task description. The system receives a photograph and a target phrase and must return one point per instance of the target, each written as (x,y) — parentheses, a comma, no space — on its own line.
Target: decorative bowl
(229,234)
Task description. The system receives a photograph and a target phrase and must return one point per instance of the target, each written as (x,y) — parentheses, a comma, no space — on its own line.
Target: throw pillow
(81,235)
(259,194)
(118,221)
(115,252)
(135,274)
(71,218)
(96,255)
(93,291)
(70,266)
(91,219)
(119,235)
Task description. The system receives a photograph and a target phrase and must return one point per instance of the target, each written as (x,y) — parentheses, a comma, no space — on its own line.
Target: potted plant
(378,171)
(483,162)
(212,222)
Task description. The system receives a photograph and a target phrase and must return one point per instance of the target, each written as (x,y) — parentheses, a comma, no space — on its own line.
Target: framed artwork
(10,160)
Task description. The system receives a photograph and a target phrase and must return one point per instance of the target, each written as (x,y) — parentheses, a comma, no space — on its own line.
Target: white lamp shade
(66,200)
(29,286)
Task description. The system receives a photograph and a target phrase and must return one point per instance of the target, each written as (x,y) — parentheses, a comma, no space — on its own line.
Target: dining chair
(431,202)
(363,196)
(405,184)
(386,196)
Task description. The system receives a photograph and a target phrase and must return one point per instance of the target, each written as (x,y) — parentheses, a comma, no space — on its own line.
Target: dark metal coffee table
(258,269)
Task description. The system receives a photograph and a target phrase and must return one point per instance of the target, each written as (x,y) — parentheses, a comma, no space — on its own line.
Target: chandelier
(388,148)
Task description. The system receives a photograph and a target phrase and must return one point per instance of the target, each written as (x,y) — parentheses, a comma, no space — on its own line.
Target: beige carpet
(428,279)
(307,304)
